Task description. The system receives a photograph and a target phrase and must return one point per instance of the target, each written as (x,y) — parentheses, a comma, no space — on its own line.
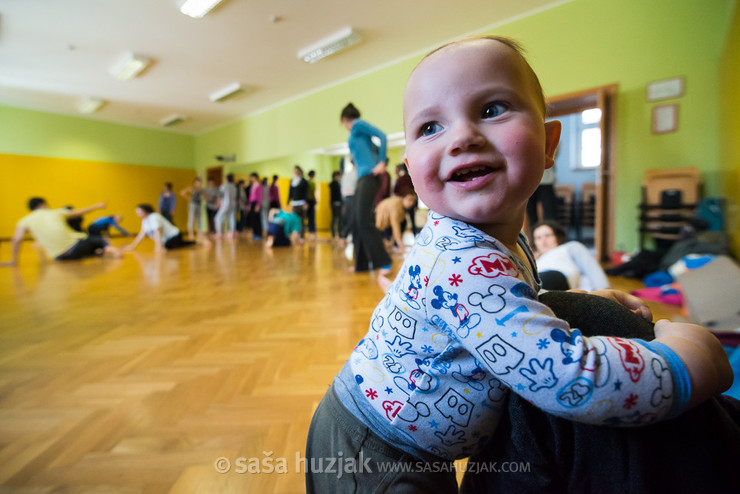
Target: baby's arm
(700,351)
(479,298)
(702,354)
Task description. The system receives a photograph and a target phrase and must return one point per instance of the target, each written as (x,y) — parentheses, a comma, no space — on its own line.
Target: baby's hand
(633,303)
(702,354)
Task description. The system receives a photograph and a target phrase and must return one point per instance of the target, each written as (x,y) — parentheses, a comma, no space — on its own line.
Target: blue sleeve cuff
(681,379)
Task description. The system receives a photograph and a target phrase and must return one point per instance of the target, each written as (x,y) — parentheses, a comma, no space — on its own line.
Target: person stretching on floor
(50,229)
(166,236)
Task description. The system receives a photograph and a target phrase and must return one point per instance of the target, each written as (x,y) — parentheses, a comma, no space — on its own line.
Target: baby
(461,324)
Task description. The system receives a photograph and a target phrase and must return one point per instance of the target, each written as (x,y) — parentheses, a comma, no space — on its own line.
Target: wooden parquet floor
(139,375)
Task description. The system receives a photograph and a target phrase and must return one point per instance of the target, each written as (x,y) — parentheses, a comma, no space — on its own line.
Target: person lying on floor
(570,259)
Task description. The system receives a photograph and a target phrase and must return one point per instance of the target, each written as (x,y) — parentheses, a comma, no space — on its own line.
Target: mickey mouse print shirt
(461,326)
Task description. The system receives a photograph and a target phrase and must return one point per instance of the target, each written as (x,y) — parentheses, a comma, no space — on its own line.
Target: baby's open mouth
(470,174)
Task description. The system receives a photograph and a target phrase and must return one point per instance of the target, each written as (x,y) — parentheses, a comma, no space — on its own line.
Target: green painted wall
(730,128)
(577,45)
(310,122)
(33,133)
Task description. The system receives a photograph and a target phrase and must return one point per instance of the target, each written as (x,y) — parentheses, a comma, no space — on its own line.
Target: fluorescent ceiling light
(90,105)
(173,119)
(130,66)
(227,92)
(198,8)
(330,45)
(395,140)
(339,149)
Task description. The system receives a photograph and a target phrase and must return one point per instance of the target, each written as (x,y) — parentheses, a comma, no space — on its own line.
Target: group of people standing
(232,207)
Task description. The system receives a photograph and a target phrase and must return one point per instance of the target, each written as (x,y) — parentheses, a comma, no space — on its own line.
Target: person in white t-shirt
(573,260)
(166,236)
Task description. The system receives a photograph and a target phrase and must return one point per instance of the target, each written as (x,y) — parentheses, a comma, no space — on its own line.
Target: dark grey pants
(338,440)
(93,245)
(368,241)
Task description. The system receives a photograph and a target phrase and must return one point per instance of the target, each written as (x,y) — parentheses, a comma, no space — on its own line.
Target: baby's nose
(466,136)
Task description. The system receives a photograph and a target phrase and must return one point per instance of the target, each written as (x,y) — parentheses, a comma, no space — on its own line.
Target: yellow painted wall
(82,183)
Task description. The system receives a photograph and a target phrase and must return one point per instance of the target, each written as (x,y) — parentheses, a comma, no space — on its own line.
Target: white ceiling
(55,52)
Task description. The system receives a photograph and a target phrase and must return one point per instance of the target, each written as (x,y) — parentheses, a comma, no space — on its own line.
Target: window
(589,132)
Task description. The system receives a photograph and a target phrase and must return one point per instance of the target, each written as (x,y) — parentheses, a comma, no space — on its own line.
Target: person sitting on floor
(50,229)
(166,236)
(283,229)
(101,225)
(568,262)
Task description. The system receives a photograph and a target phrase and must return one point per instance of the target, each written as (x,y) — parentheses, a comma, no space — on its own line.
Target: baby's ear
(552,138)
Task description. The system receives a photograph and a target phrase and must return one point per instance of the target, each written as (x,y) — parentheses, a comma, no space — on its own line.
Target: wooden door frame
(216,173)
(605,98)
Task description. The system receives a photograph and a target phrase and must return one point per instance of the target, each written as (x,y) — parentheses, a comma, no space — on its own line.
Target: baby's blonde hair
(511,43)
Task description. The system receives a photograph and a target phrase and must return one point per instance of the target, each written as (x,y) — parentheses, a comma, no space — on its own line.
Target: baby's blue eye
(493,110)
(429,128)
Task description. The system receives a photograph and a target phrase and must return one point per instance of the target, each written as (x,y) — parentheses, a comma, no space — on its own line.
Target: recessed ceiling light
(198,8)
(130,66)
(330,45)
(227,92)
(173,119)
(90,105)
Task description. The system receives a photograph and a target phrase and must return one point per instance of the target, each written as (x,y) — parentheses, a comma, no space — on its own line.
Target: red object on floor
(618,258)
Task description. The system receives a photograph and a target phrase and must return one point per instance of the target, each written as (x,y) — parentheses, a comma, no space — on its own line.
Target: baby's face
(475,134)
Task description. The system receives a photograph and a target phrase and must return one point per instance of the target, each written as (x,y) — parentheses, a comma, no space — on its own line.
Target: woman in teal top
(369,159)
